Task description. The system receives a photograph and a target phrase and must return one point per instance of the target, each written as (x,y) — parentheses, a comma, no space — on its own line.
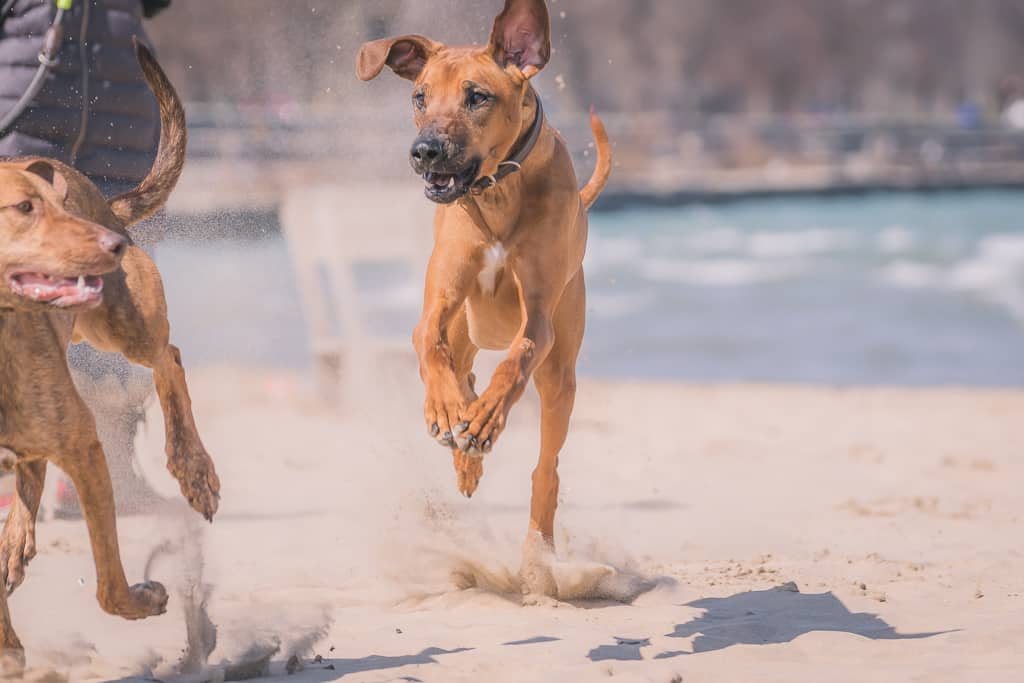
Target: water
(898,289)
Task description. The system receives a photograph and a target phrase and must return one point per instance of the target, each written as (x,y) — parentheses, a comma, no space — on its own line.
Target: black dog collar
(515,163)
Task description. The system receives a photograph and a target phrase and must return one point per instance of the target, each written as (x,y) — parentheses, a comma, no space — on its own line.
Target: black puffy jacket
(95,110)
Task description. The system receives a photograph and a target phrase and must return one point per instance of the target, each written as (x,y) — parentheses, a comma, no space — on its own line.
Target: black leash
(48,59)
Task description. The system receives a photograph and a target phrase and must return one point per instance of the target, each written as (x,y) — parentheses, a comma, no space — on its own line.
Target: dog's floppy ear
(47,172)
(406,55)
(522,36)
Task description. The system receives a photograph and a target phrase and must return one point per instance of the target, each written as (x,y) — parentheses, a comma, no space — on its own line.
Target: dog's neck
(495,210)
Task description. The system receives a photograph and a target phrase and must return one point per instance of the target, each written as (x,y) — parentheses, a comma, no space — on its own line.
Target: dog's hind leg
(88,470)
(556,383)
(133,321)
(18,540)
(12,654)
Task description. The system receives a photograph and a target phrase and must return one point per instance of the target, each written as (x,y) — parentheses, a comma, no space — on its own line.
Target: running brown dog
(510,233)
(71,272)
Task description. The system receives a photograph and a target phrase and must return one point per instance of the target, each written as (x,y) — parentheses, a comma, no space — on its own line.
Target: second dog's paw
(17,549)
(199,482)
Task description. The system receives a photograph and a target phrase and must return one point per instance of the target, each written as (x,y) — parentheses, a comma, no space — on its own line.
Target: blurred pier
(246,159)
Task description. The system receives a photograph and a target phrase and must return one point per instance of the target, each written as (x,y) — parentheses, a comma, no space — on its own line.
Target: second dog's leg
(88,471)
(18,541)
(187,458)
(133,321)
(556,383)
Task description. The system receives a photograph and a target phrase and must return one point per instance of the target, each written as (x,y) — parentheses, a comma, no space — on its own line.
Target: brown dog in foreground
(71,272)
(510,234)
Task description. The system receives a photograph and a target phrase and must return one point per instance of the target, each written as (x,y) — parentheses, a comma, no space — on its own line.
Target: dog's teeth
(451,182)
(81,282)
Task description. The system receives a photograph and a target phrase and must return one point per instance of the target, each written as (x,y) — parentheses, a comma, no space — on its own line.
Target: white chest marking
(494,262)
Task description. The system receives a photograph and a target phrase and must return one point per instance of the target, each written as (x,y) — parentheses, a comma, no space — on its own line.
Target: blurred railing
(244,157)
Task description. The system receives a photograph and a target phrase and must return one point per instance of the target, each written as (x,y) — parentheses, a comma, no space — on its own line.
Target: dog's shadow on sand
(334,669)
(761,618)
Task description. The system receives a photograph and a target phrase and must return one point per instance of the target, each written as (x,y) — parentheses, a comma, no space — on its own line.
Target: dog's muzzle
(447,178)
(426,153)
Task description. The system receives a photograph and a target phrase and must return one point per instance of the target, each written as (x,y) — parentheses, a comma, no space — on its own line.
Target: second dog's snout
(113,244)
(426,151)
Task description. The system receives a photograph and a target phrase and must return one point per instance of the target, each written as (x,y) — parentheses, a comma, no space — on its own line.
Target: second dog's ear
(522,36)
(47,172)
(406,55)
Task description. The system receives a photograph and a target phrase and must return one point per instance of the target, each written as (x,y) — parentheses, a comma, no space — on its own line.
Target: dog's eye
(477,99)
(420,100)
(25,207)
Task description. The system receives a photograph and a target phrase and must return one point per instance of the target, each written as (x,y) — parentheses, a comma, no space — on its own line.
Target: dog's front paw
(17,547)
(150,597)
(443,413)
(197,476)
(143,600)
(484,423)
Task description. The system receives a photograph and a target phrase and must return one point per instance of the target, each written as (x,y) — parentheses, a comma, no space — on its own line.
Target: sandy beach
(707,533)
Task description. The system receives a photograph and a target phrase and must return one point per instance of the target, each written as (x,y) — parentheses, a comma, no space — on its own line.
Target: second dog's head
(48,257)
(469,102)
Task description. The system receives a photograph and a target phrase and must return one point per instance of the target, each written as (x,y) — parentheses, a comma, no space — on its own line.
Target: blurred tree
(905,57)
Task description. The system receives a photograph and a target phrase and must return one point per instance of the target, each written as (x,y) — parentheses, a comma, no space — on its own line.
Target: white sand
(896,513)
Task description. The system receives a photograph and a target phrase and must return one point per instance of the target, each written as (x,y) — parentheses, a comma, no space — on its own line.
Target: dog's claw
(487,446)
(435,430)
(461,427)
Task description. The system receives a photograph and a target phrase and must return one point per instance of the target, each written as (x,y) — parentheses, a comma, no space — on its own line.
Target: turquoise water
(895,289)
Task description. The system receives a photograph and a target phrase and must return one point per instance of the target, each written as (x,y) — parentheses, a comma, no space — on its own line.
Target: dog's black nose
(426,150)
(113,244)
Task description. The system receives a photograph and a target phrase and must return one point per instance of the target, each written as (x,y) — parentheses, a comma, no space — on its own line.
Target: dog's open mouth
(61,292)
(445,188)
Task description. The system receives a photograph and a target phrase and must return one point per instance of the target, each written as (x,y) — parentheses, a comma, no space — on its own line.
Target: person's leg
(117,393)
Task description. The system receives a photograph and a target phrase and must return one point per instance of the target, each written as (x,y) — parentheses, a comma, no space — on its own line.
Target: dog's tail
(603,172)
(152,194)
